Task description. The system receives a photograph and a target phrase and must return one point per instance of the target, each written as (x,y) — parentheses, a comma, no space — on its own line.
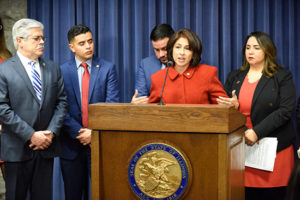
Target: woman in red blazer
(187,82)
(266,95)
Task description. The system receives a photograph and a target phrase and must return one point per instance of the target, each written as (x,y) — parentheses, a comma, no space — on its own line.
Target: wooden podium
(211,137)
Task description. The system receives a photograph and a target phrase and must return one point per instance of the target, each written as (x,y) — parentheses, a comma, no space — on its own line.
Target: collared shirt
(25,61)
(163,65)
(80,71)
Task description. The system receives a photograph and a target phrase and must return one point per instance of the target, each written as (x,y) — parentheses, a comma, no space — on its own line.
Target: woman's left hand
(250,137)
(233,101)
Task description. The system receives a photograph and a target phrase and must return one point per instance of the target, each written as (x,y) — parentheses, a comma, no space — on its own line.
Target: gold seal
(158,174)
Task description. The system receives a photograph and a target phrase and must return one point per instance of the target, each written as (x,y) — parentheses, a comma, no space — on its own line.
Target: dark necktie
(85,94)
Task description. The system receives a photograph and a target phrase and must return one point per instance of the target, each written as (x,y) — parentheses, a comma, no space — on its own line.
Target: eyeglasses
(37,38)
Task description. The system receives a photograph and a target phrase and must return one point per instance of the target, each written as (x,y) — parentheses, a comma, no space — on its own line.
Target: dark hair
(267,45)
(161,31)
(194,43)
(293,191)
(4,52)
(77,30)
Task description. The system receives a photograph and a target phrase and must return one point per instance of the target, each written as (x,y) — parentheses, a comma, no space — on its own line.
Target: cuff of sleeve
(257,133)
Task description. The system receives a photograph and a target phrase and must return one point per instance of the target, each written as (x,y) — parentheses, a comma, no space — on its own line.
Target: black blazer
(273,104)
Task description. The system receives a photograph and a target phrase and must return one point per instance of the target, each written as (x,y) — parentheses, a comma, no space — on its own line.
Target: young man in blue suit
(87,80)
(33,106)
(159,38)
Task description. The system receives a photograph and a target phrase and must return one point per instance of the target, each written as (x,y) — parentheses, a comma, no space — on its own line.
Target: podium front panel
(216,169)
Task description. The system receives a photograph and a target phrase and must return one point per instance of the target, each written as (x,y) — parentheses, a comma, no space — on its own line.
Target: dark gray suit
(21,114)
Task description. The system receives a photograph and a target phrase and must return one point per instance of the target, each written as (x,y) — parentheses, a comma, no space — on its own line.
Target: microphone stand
(162,90)
(169,64)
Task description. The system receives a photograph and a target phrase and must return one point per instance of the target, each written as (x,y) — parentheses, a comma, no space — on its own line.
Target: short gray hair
(21,29)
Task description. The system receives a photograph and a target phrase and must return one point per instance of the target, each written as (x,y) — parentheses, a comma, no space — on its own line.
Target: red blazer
(197,85)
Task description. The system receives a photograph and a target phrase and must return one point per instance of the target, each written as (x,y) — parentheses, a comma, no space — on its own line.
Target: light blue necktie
(36,81)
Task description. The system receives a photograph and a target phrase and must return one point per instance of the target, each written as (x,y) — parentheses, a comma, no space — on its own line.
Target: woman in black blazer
(265,93)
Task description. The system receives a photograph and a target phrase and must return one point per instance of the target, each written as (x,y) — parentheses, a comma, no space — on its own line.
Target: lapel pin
(44,64)
(97,66)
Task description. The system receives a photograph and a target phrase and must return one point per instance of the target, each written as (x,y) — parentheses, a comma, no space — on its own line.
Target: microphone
(169,64)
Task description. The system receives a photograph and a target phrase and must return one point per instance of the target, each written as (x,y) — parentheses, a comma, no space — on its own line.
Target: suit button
(270,104)
(273,90)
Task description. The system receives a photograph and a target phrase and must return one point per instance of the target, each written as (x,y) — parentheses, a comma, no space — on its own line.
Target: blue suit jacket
(20,112)
(148,66)
(104,87)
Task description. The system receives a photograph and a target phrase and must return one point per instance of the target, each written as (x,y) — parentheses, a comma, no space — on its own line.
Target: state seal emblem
(159,171)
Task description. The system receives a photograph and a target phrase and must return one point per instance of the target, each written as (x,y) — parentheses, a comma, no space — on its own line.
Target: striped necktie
(36,81)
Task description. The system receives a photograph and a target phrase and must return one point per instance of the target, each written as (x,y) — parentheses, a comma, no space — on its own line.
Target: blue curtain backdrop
(121,30)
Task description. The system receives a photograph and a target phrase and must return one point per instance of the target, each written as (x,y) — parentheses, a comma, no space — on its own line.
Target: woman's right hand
(250,137)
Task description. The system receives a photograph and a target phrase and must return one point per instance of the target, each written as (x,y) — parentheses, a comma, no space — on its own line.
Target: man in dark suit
(32,110)
(159,38)
(87,80)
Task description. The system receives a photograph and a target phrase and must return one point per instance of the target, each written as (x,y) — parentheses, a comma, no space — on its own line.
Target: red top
(197,85)
(284,161)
